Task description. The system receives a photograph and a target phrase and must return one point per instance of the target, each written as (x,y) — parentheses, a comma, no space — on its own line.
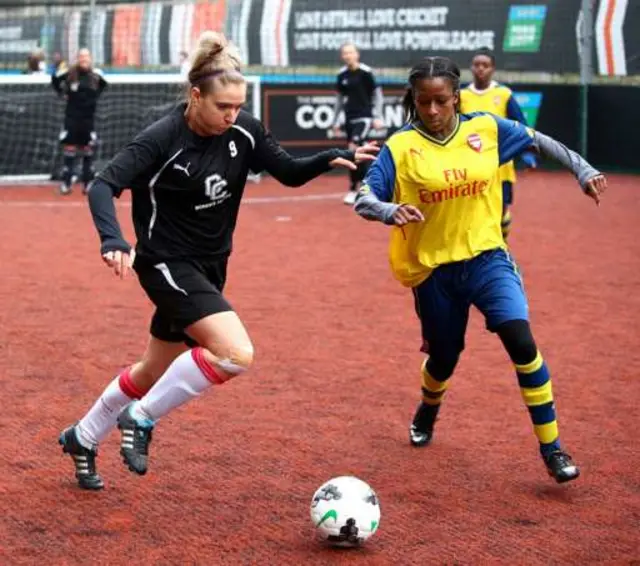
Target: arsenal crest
(475,142)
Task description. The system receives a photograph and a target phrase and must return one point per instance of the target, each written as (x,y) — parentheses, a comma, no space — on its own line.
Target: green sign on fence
(530,103)
(524,29)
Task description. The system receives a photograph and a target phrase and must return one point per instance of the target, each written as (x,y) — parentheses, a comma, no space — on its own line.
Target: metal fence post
(586,71)
(92,26)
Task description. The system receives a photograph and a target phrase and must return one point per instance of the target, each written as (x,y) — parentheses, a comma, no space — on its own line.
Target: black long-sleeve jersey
(186,189)
(357,90)
(82,90)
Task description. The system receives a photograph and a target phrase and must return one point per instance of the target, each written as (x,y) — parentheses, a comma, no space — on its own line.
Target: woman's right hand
(595,187)
(120,262)
(407,213)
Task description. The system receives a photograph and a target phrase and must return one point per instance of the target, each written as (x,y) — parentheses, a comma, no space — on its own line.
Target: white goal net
(31,118)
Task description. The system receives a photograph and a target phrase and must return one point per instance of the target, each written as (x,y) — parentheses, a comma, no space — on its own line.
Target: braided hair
(429,68)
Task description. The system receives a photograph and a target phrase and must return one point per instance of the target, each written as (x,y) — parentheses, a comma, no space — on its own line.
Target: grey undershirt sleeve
(570,159)
(369,207)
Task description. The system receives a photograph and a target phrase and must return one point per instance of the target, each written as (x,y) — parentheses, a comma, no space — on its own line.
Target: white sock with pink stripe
(189,375)
(102,417)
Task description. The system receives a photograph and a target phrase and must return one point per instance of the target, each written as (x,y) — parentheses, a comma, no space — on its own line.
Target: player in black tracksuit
(81,86)
(187,173)
(360,96)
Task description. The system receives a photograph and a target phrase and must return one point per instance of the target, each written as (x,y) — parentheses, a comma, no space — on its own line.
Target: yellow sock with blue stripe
(535,386)
(506,224)
(432,392)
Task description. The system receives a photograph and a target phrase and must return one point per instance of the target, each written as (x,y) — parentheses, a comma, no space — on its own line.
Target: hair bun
(211,43)
(213,54)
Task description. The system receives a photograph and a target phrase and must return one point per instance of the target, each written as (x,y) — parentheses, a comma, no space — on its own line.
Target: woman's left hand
(595,187)
(366,152)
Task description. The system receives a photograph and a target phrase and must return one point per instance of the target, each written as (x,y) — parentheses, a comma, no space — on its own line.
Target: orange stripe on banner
(608,40)
(125,36)
(209,16)
(278,26)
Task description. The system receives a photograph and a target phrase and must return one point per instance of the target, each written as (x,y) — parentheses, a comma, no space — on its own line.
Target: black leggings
(516,337)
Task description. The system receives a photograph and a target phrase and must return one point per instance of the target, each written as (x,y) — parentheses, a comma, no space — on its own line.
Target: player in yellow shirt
(437,182)
(486,95)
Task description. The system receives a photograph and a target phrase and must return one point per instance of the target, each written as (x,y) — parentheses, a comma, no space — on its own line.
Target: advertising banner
(531,36)
(301,116)
(525,35)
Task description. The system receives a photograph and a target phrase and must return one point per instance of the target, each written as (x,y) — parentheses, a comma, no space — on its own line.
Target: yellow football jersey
(498,100)
(454,182)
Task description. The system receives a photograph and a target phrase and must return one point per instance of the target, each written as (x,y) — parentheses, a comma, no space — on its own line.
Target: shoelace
(564,460)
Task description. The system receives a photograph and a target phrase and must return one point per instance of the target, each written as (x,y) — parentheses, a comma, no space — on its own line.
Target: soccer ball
(345,511)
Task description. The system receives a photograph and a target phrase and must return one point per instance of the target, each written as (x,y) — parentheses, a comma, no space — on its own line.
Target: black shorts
(358,129)
(78,133)
(183,291)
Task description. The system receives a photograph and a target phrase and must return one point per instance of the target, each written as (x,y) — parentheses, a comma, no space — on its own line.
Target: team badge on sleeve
(475,142)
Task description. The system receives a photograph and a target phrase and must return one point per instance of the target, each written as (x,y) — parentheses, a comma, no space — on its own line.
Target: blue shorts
(507,193)
(491,282)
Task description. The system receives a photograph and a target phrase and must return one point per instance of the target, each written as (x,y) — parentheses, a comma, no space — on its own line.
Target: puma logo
(183,168)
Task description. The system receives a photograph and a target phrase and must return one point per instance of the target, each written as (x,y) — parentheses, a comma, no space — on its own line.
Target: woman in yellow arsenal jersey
(486,95)
(437,182)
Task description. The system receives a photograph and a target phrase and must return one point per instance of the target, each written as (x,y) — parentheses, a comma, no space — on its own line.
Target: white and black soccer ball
(345,511)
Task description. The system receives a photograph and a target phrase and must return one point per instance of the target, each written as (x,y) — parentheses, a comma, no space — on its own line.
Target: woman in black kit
(360,96)
(187,173)
(81,86)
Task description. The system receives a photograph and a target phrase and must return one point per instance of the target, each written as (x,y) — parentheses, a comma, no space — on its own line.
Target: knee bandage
(220,369)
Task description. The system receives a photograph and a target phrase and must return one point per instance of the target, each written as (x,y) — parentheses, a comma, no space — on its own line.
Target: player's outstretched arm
(514,138)
(294,172)
(592,181)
